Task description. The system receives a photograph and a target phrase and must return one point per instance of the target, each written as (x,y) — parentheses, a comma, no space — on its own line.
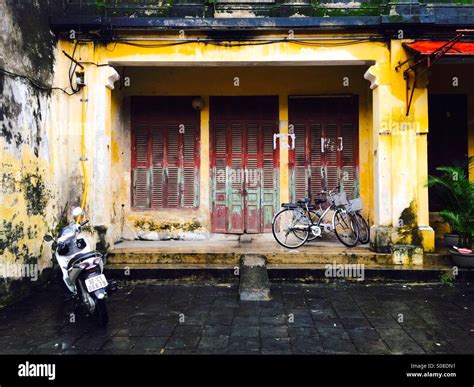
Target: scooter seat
(81,257)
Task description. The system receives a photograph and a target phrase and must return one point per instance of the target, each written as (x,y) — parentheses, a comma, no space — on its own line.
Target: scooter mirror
(76,212)
(48,238)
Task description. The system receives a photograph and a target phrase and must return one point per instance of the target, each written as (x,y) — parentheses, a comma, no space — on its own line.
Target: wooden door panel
(236,205)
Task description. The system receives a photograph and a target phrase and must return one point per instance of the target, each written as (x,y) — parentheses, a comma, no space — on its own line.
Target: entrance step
(211,252)
(306,273)
(228,253)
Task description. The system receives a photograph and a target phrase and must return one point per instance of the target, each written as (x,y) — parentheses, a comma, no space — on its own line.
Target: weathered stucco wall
(29,201)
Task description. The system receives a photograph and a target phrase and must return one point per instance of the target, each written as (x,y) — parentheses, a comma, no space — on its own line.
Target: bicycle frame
(324,226)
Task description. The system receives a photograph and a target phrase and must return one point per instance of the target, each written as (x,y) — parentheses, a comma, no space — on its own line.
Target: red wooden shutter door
(219,207)
(158,167)
(236,207)
(251,176)
(140,167)
(165,154)
(190,182)
(326,146)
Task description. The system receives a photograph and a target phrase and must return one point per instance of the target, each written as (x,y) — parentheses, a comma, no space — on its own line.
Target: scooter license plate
(95,283)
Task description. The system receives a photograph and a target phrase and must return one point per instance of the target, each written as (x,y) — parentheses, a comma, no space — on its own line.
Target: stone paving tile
(275,345)
(363,334)
(182,342)
(294,331)
(149,345)
(219,342)
(215,330)
(273,331)
(300,319)
(371,347)
(243,345)
(245,331)
(338,346)
(246,320)
(306,345)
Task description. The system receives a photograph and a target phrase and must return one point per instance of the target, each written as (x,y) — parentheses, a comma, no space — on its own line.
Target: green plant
(458,193)
(447,278)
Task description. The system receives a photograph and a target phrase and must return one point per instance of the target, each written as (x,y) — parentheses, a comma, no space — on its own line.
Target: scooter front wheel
(101,312)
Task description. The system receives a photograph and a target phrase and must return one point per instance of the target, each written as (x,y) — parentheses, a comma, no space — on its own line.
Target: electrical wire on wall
(84,105)
(35,83)
(238,42)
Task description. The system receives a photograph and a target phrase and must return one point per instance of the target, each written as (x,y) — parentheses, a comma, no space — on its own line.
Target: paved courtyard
(337,318)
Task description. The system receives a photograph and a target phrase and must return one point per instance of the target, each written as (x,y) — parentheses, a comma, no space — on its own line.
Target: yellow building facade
(391,171)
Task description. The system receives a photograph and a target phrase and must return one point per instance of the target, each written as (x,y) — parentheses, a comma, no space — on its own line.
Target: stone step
(230,255)
(278,272)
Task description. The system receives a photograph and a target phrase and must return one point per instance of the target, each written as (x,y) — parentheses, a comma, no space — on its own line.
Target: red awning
(427,47)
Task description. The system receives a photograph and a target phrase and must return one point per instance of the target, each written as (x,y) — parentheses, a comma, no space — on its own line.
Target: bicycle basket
(354,205)
(339,199)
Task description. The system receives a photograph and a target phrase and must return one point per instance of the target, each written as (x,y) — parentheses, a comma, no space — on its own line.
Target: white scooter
(82,268)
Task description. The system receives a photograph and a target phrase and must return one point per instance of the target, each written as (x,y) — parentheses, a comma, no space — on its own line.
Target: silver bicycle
(299,222)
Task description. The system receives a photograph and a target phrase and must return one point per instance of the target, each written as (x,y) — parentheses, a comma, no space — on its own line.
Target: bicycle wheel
(364,229)
(345,226)
(290,228)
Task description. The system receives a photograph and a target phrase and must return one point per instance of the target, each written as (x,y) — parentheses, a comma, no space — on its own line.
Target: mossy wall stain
(35,192)
(151,225)
(409,232)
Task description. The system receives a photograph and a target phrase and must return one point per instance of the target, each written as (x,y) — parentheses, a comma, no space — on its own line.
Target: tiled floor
(300,319)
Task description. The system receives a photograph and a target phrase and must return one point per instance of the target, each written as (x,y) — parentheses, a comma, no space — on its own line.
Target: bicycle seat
(303,201)
(319,201)
(289,205)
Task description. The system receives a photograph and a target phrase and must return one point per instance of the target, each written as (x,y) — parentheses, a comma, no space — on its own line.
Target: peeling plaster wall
(29,203)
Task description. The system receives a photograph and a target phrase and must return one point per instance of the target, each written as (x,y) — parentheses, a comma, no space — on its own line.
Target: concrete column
(99,97)
(400,159)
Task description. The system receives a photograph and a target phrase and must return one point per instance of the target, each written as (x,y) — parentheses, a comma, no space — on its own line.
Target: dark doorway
(447,138)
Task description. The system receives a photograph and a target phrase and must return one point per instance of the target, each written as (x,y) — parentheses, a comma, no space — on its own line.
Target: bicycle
(293,225)
(354,207)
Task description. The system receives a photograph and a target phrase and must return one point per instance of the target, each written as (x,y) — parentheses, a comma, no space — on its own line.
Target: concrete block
(254,283)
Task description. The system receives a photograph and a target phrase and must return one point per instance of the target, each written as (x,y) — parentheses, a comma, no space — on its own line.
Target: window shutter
(336,121)
(158,171)
(300,161)
(190,170)
(141,181)
(165,153)
(172,167)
